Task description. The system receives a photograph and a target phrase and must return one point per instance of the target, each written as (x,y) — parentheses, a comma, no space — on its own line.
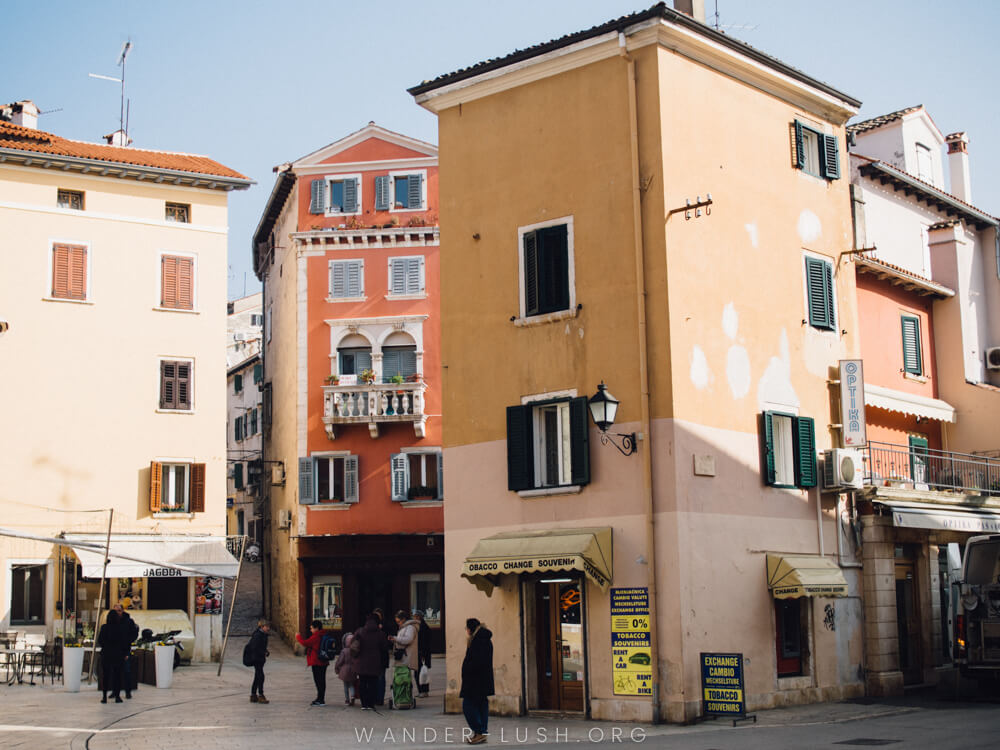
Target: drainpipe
(640,299)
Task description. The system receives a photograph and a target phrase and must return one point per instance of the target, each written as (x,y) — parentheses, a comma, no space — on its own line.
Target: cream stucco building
(113,286)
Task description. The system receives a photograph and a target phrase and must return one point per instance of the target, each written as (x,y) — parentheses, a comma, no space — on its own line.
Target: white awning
(154,555)
(908,403)
(913,515)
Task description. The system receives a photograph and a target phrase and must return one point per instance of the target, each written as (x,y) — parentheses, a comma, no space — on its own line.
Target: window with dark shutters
(525,442)
(237,383)
(175,384)
(912,361)
(317,197)
(789,450)
(258,373)
(546,270)
(197,496)
(69,271)
(819,292)
(816,153)
(382,193)
(238,476)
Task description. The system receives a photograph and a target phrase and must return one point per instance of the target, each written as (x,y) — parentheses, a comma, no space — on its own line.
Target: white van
(977,624)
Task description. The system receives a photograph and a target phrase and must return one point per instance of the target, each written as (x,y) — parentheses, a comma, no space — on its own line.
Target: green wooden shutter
(911,345)
(253,421)
(238,476)
(414,193)
(258,373)
(307,487)
(770,474)
(579,430)
(819,288)
(382,193)
(399,464)
(800,154)
(238,382)
(520,456)
(237,433)
(317,203)
(829,158)
(350,195)
(531,273)
(440,469)
(804,439)
(351,494)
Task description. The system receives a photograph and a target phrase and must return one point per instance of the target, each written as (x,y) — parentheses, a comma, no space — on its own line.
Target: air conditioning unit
(993,358)
(843,467)
(284,518)
(278,474)
(239,337)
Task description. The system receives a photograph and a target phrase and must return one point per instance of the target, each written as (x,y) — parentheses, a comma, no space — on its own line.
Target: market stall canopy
(791,576)
(154,555)
(587,550)
(952,517)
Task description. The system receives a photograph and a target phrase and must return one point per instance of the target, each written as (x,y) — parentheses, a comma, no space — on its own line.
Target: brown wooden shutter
(183,385)
(168,281)
(197,488)
(185,283)
(60,271)
(155,482)
(78,273)
(168,385)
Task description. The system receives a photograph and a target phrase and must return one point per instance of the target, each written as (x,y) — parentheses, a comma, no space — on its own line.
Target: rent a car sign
(631,644)
(722,684)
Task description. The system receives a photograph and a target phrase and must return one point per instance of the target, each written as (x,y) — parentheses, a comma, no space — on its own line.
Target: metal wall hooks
(696,207)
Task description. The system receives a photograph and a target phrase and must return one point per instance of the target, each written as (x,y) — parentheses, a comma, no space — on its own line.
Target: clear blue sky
(254,84)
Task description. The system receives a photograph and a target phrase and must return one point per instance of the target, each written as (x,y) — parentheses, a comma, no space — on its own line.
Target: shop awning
(908,403)
(154,555)
(913,515)
(791,576)
(587,550)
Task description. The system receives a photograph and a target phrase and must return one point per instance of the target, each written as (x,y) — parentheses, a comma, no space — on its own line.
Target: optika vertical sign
(852,402)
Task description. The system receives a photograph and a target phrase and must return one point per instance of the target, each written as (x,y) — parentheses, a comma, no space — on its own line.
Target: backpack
(327,648)
(248,654)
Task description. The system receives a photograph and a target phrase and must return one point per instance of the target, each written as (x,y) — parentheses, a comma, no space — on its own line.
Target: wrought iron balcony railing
(930,469)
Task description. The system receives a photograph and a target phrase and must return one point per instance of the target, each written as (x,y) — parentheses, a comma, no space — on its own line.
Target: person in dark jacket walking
(114,647)
(258,655)
(477,680)
(374,648)
(423,651)
(130,631)
(380,687)
(312,644)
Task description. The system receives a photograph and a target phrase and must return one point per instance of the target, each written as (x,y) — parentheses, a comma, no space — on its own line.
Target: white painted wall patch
(810,227)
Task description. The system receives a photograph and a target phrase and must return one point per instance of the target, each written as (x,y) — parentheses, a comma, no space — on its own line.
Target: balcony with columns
(374,404)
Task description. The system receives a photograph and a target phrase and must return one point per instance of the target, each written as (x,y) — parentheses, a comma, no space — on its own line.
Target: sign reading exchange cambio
(631,642)
(722,684)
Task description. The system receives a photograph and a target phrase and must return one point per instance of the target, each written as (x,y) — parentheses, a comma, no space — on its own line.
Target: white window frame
(422,293)
(416,578)
(268,321)
(835,332)
(172,465)
(564,447)
(158,282)
(570,272)
(47,292)
(784,450)
(410,482)
(81,193)
(323,456)
(810,151)
(49,594)
(257,319)
(329,274)
(156,389)
(331,178)
(392,190)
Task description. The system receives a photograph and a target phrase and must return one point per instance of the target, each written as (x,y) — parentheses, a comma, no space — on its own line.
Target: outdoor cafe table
(14,661)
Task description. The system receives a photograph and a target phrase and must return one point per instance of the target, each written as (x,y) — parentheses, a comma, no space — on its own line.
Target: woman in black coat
(258,653)
(477,679)
(114,643)
(374,648)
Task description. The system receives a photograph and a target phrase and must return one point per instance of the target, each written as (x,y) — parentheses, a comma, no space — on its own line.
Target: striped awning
(792,576)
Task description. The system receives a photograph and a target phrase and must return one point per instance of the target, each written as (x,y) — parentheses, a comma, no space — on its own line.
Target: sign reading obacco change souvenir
(631,644)
(722,684)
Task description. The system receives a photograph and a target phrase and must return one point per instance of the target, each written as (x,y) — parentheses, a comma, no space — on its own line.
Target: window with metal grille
(179,212)
(70,199)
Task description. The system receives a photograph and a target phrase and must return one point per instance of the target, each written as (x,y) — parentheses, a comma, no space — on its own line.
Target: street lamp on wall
(603,409)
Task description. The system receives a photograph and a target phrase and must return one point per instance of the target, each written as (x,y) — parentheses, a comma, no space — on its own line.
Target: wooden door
(559,654)
(908,623)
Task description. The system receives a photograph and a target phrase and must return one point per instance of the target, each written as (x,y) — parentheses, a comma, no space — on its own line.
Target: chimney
(693,8)
(118,138)
(958,166)
(24,113)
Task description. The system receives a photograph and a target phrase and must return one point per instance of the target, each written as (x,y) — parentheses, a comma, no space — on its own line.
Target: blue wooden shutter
(440,469)
(804,439)
(382,193)
(520,455)
(829,158)
(390,364)
(238,476)
(350,196)
(415,275)
(531,273)
(307,487)
(338,284)
(911,346)
(397,276)
(400,466)
(414,193)
(819,283)
(317,203)
(351,479)
(355,283)
(362,361)
(579,441)
(800,154)
(770,475)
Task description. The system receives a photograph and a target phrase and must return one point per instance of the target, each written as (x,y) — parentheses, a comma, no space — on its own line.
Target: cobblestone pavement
(249,600)
(203,710)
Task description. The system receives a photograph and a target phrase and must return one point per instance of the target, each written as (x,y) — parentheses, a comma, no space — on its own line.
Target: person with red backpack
(319,646)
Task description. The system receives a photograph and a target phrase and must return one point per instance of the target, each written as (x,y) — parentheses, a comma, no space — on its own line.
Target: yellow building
(567,170)
(113,285)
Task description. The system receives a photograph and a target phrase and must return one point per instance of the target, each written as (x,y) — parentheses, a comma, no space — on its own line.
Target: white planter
(72,657)
(164,666)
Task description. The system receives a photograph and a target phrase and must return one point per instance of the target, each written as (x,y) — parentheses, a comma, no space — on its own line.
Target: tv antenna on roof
(733,26)
(122,125)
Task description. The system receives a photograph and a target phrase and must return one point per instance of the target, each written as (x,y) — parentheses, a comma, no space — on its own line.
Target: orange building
(348,252)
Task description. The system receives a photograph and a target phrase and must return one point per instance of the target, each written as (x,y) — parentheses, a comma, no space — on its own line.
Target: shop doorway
(907,619)
(374,591)
(555,646)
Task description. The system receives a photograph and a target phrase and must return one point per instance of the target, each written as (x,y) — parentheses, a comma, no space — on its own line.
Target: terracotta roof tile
(28,139)
(877,122)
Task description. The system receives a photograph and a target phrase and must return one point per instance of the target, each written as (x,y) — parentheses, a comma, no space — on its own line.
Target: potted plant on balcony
(416,377)
(367,376)
(332,379)
(419,492)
